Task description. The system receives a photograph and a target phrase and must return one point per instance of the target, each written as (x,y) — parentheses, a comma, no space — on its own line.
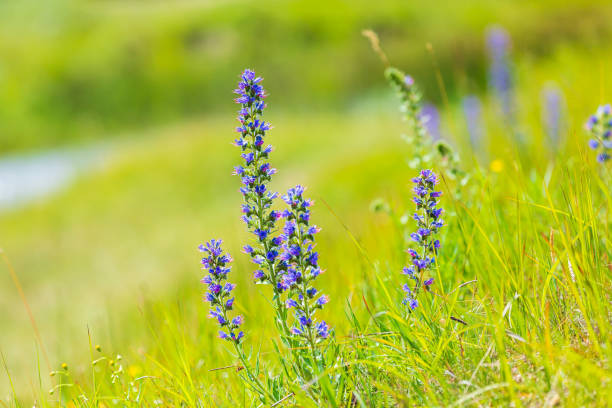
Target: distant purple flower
(472,110)
(552,105)
(500,76)
(219,291)
(430,117)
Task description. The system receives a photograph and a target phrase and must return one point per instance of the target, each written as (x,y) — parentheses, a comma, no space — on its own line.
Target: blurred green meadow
(111,258)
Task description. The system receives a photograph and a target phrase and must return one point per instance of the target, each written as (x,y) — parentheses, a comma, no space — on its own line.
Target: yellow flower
(134,370)
(497,165)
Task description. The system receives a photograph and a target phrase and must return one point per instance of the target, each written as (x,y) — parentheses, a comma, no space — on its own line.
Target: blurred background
(116,119)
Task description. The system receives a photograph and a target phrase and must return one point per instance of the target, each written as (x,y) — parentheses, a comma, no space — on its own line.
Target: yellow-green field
(112,260)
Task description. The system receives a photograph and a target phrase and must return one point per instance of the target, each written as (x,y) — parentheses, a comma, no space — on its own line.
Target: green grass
(113,262)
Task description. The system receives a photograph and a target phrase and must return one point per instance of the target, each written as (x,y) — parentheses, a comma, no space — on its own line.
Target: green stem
(255,383)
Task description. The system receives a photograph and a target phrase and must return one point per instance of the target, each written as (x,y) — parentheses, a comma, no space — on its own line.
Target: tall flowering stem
(286,261)
(427,217)
(302,269)
(219,295)
(410,106)
(599,127)
(256,174)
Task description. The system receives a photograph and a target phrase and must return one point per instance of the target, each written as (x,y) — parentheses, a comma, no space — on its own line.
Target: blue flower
(271,255)
(229,304)
(323,300)
(413,303)
(409,298)
(261,234)
(322,329)
(603,157)
(409,270)
(304,320)
(259,275)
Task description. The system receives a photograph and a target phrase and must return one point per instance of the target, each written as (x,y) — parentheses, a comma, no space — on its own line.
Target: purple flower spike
(256,175)
(218,294)
(426,247)
(302,267)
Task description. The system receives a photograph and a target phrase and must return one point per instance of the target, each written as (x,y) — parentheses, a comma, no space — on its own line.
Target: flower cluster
(220,291)
(599,127)
(427,217)
(287,261)
(302,267)
(256,174)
